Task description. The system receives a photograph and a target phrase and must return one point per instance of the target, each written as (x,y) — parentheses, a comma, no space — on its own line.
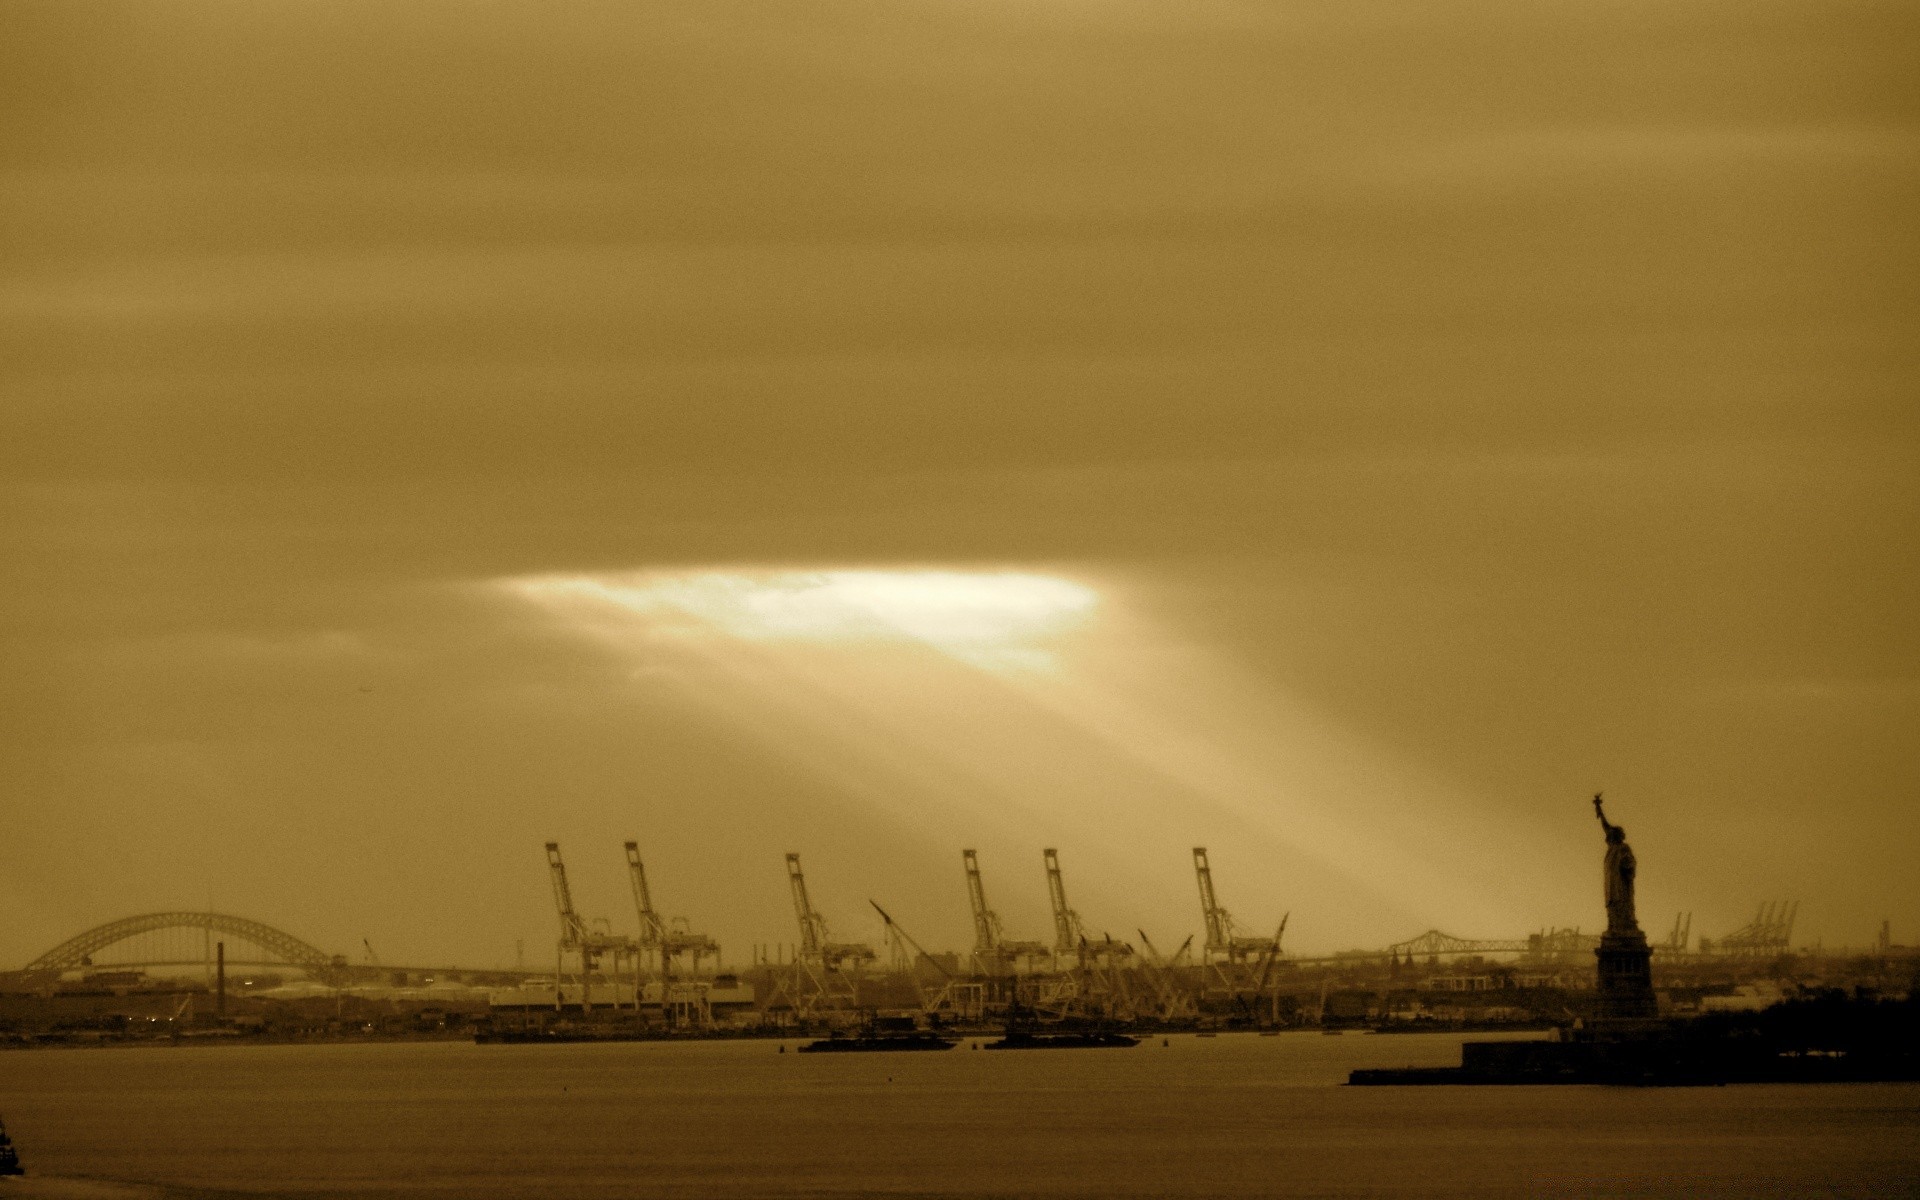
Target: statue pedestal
(1626,977)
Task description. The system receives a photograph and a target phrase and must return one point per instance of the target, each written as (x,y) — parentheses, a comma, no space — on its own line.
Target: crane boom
(813,927)
(653,930)
(1266,967)
(986,926)
(572,929)
(929,1000)
(1174,1001)
(1153,956)
(1219,924)
(896,928)
(1066,922)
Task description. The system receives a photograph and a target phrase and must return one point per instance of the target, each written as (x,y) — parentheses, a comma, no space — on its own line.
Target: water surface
(1226,1116)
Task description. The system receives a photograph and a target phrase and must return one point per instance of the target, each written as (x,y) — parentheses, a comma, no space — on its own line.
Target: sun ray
(1018,704)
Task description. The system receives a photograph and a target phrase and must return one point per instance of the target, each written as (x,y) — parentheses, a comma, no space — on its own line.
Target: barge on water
(1065,1040)
(1820,1039)
(1025,1031)
(884,1034)
(857,1043)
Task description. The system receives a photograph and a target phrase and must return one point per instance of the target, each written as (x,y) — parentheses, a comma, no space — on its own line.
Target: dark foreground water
(1233,1115)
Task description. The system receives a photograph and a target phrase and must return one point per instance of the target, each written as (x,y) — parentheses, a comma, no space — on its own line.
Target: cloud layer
(1466,408)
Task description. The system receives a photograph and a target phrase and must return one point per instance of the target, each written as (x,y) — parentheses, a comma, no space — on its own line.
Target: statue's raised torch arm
(1620,870)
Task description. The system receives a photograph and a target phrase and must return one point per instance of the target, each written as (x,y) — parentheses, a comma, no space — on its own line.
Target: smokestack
(220,980)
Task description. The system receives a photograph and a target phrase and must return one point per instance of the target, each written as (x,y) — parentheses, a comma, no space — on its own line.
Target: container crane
(1681,934)
(663,939)
(819,968)
(574,934)
(1095,985)
(992,953)
(665,943)
(1069,934)
(577,935)
(1228,955)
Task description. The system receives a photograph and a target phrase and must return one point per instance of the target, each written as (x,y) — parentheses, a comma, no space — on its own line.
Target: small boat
(9,1157)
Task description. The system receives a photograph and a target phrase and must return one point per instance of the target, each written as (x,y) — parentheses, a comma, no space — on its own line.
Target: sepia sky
(1342,435)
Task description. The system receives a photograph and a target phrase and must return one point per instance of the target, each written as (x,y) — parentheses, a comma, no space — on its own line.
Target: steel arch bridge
(78,951)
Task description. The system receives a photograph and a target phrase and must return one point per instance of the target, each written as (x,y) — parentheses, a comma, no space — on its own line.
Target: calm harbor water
(1229,1116)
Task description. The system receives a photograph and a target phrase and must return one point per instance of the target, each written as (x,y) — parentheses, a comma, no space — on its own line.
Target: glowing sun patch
(970,614)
